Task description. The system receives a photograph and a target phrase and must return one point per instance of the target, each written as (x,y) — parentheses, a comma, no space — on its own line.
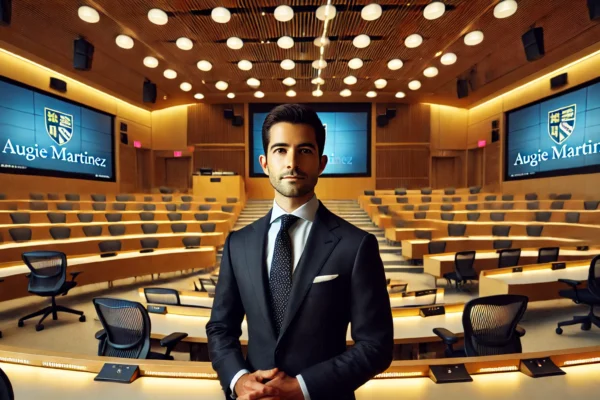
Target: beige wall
(448,128)
(170,128)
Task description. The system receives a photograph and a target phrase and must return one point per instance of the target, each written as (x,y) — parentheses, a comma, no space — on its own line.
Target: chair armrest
(171,341)
(520,331)
(101,334)
(447,337)
(75,275)
(570,282)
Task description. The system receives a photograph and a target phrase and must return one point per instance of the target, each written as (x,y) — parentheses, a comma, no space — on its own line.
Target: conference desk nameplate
(540,367)
(432,311)
(451,373)
(119,373)
(559,265)
(156,309)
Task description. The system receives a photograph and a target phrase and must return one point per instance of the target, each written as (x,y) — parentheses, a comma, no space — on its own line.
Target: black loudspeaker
(123,127)
(495,135)
(83,54)
(58,85)
(238,120)
(149,92)
(558,81)
(124,138)
(594,9)
(5,12)
(495,124)
(390,113)
(228,113)
(533,43)
(382,120)
(462,88)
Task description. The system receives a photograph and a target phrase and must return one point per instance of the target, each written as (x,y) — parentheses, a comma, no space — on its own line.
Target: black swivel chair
(508,258)
(548,255)
(6,390)
(436,247)
(126,332)
(463,269)
(166,296)
(490,327)
(581,295)
(48,278)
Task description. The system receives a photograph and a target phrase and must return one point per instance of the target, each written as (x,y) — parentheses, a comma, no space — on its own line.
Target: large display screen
(559,135)
(41,134)
(347,140)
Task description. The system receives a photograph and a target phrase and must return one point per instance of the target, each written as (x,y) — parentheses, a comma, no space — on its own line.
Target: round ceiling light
(434,10)
(150,62)
(235,43)
(170,74)
(245,65)
(380,83)
(346,93)
(473,38)
(505,9)
(253,83)
(371,12)
(124,42)
(290,93)
(371,94)
(289,81)
(231,95)
(361,41)
(284,13)
(204,65)
(88,14)
(285,42)
(413,41)
(220,15)
(259,94)
(448,59)
(355,63)
(288,65)
(395,64)
(184,43)
(185,86)
(319,64)
(400,95)
(326,11)
(430,72)
(221,85)
(321,41)
(350,80)
(158,17)
(414,85)
(317,93)
(199,96)
(318,81)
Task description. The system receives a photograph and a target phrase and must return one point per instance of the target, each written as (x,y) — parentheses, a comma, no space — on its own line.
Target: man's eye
(279,150)
(306,151)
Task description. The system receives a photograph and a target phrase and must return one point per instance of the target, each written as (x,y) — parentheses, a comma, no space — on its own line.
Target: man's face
(292,160)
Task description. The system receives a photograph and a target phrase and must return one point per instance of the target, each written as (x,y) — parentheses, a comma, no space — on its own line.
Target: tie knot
(287,221)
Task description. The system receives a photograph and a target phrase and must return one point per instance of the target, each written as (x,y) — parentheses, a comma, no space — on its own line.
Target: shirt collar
(306,211)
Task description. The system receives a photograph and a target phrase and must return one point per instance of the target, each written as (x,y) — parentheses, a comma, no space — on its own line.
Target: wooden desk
(220,187)
(112,197)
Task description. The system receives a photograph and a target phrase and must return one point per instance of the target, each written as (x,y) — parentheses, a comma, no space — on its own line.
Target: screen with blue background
(347,140)
(42,135)
(555,136)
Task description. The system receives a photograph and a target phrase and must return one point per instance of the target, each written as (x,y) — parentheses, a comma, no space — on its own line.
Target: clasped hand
(278,386)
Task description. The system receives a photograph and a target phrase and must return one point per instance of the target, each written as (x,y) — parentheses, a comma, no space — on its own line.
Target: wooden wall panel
(221,159)
(127,169)
(206,124)
(411,124)
(170,128)
(448,127)
(492,175)
(402,166)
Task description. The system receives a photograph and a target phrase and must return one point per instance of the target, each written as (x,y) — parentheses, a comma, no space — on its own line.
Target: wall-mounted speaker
(5,12)
(533,43)
(558,81)
(462,88)
(390,113)
(123,127)
(495,135)
(228,113)
(83,54)
(58,85)
(149,92)
(238,120)
(124,138)
(382,120)
(495,124)
(594,9)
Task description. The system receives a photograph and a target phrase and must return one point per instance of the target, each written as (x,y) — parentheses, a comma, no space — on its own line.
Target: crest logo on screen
(561,123)
(59,126)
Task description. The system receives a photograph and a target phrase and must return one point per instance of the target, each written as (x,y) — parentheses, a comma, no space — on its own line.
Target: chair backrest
(60,232)
(400,192)
(447,207)
(125,197)
(594,277)
(72,197)
(149,229)
(20,234)
(591,204)
(92,230)
(369,193)
(6,390)
(48,271)
(185,207)
(508,197)
(208,285)
(457,229)
(564,196)
(408,207)
(174,216)
(447,216)
(187,199)
(113,217)
(38,205)
(109,246)
(501,230)
(531,196)
(491,197)
(557,205)
(20,217)
(116,230)
(99,206)
(398,222)
(450,190)
(208,227)
(167,198)
(204,207)
(508,258)
(508,206)
(36,196)
(436,247)
(463,264)
(446,199)
(147,216)
(420,234)
(543,216)
(456,199)
(227,209)
(119,206)
(474,189)
(552,196)
(166,296)
(99,197)
(171,207)
(473,216)
(165,190)
(534,230)
(127,328)
(425,199)
(231,200)
(548,255)
(426,190)
(375,200)
(572,217)
(2,196)
(149,243)
(423,207)
(65,206)
(402,200)
(149,207)
(148,198)
(191,241)
(179,227)
(497,216)
(383,209)
(210,199)
(57,218)
(502,244)
(85,217)
(533,205)
(201,216)
(420,215)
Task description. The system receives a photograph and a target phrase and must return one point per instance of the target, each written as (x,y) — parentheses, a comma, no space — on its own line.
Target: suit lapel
(319,245)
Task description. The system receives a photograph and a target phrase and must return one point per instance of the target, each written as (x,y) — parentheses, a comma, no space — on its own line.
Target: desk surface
(577,272)
(491,255)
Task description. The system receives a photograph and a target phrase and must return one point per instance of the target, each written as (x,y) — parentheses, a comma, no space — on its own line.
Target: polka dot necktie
(280,279)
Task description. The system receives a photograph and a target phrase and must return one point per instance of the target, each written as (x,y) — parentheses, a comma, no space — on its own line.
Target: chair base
(53,309)
(586,321)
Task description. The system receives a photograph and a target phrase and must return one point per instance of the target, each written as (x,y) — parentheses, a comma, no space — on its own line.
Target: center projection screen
(347,137)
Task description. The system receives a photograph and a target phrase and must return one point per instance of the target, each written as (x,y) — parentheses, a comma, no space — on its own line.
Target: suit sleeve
(225,326)
(371,327)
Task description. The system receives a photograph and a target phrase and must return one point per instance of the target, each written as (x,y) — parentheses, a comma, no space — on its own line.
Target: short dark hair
(294,114)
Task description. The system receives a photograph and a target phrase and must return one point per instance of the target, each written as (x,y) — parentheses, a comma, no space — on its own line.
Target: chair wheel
(586,327)
(21,324)
(559,331)
(82,318)
(39,327)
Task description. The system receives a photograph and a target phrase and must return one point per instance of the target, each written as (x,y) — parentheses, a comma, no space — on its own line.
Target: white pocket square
(324,278)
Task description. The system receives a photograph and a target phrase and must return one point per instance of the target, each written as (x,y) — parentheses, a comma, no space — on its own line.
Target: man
(300,275)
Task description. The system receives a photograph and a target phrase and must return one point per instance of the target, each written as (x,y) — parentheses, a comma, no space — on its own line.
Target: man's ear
(323,164)
(262,159)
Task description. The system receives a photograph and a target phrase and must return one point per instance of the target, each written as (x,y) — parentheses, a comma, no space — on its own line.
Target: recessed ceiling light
(124,42)
(253,83)
(290,93)
(350,80)
(430,72)
(221,85)
(284,13)
(204,65)
(414,85)
(439,53)
(395,64)
(244,65)
(413,41)
(259,94)
(235,43)
(321,41)
(317,93)
(400,95)
(220,15)
(434,10)
(150,62)
(355,63)
(288,64)
(371,12)
(448,59)
(285,42)
(318,81)
(345,93)
(361,41)
(289,81)
(185,86)
(319,64)
(231,95)
(473,38)
(158,16)
(326,11)
(170,74)
(505,9)
(184,43)
(263,13)
(88,14)
(380,83)
(371,94)
(199,96)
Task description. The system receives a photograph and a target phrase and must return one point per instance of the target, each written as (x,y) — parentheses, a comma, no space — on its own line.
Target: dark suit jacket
(312,341)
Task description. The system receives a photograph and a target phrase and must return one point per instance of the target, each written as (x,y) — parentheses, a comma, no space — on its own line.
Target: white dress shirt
(298,232)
